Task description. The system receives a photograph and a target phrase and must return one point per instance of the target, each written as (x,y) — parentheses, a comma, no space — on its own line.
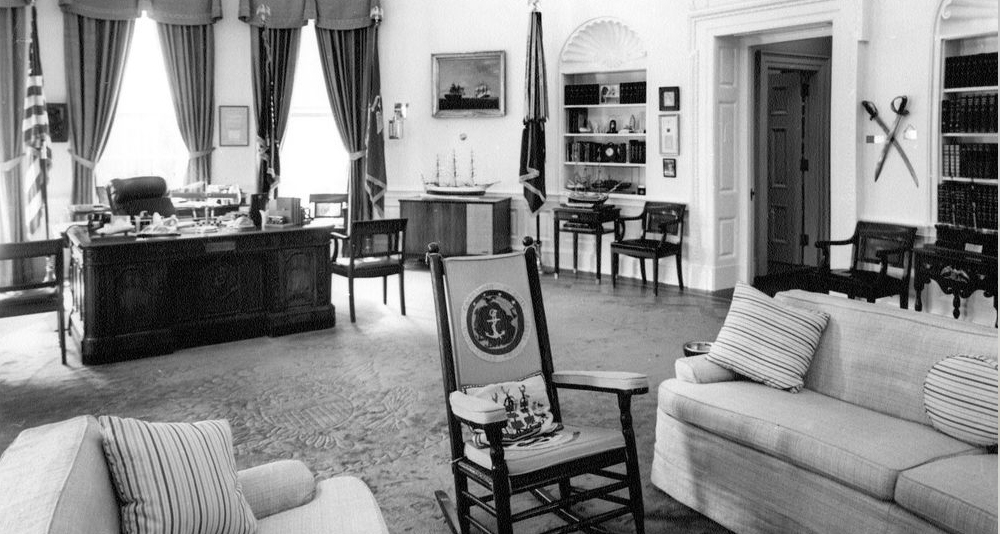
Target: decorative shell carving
(603,44)
(960,18)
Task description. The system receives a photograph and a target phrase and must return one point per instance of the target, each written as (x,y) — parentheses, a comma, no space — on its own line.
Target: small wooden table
(957,271)
(583,220)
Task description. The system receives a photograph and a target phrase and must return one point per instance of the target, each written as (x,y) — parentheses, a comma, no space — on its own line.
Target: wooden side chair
(373,249)
(500,387)
(332,206)
(660,220)
(33,296)
(873,245)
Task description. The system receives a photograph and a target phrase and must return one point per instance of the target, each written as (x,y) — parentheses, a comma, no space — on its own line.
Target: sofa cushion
(343,505)
(958,494)
(175,477)
(860,448)
(767,341)
(53,480)
(960,396)
(877,356)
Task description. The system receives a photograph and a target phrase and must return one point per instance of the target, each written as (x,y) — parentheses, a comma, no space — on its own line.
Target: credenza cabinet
(462,226)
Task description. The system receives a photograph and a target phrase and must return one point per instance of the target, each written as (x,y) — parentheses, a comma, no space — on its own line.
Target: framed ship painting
(469,84)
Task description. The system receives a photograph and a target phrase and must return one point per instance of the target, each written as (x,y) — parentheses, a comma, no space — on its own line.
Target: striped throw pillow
(767,341)
(960,397)
(175,477)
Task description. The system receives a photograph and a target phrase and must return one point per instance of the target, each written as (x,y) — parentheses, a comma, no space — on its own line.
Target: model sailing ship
(452,185)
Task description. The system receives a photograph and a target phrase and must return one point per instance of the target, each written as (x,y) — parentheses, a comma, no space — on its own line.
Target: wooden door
(784,178)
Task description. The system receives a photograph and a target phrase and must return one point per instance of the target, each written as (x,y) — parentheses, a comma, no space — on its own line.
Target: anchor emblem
(493,320)
(494,323)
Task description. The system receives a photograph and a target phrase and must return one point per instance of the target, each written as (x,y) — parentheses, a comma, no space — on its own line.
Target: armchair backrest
(331,206)
(664,218)
(382,238)
(132,196)
(27,250)
(491,323)
(872,237)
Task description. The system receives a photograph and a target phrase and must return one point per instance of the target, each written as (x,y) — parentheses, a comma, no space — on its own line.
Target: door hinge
(804,240)
(752,193)
(804,165)
(805,90)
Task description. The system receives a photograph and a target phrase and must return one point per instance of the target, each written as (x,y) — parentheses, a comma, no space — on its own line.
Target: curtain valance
(180,12)
(328,14)
(14,3)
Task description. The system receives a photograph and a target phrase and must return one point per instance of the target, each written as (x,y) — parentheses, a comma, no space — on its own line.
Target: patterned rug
(366,399)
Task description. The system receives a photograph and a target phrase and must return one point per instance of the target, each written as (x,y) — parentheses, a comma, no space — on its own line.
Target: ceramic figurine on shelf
(613,126)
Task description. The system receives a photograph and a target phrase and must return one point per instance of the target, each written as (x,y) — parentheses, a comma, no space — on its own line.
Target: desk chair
(31,297)
(659,221)
(873,244)
(372,249)
(331,206)
(499,382)
(132,196)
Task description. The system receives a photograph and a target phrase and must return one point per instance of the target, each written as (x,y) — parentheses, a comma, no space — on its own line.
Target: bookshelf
(966,195)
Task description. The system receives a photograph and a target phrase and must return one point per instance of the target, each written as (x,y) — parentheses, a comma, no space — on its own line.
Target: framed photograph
(670,134)
(670,98)
(669,168)
(57,122)
(609,94)
(469,84)
(234,125)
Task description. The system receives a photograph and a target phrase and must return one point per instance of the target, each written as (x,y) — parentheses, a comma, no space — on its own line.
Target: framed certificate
(670,134)
(234,126)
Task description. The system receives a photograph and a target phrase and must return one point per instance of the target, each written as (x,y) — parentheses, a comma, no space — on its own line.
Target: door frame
(817,118)
(721,36)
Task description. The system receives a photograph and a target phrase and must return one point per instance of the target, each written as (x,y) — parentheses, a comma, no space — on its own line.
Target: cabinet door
(441,222)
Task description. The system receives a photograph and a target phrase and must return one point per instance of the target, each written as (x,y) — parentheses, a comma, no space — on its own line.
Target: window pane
(144,137)
(313,159)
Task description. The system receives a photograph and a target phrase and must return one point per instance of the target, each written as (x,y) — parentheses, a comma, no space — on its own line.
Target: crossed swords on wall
(898,106)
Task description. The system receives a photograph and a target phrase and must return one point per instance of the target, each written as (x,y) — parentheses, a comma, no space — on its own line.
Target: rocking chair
(499,383)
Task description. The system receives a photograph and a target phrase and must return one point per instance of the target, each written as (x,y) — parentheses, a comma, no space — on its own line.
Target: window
(313,158)
(144,138)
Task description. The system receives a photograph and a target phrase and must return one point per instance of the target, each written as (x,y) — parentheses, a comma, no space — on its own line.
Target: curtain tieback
(82,161)
(357,155)
(201,153)
(11,163)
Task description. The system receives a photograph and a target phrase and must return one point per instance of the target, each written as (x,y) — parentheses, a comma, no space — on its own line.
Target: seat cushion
(868,282)
(29,302)
(860,448)
(571,443)
(344,505)
(647,246)
(958,494)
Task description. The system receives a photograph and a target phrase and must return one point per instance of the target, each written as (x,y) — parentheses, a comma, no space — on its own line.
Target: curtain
(13,77)
(96,51)
(273,55)
(349,59)
(189,56)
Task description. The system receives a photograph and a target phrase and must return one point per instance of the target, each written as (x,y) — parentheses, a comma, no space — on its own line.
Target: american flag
(38,144)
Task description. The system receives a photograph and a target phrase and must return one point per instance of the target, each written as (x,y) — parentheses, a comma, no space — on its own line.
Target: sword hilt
(870,108)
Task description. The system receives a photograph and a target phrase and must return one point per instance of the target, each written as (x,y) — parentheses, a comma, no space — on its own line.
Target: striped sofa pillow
(960,397)
(767,341)
(175,477)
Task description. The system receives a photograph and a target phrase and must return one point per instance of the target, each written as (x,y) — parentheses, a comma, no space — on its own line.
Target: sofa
(854,451)
(54,479)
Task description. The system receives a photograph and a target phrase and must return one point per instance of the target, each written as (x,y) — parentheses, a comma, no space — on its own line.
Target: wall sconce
(396,122)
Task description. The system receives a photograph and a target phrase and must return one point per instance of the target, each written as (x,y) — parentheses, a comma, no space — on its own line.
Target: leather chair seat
(652,247)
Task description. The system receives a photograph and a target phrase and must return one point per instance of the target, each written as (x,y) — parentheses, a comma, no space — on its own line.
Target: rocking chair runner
(492,331)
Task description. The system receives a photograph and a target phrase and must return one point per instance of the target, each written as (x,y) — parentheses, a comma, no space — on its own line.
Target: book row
(967,204)
(971,113)
(971,160)
(976,70)
(585,151)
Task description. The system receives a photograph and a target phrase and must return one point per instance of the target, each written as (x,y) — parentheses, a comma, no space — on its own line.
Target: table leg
(555,234)
(576,243)
(918,288)
(600,231)
(956,303)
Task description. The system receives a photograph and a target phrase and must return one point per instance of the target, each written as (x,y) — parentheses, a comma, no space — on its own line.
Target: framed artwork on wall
(57,122)
(669,168)
(234,125)
(670,98)
(469,84)
(670,134)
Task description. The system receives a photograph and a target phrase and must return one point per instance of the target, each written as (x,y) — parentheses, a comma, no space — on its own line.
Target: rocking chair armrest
(476,411)
(608,381)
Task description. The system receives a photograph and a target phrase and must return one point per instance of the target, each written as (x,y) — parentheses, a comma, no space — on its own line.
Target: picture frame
(670,98)
(669,168)
(57,113)
(469,84)
(234,125)
(670,134)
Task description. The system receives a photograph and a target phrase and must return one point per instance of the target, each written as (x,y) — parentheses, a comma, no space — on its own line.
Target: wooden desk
(460,225)
(583,220)
(135,297)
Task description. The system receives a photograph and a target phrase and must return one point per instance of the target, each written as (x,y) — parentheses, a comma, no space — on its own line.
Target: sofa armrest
(698,370)
(476,410)
(277,486)
(614,381)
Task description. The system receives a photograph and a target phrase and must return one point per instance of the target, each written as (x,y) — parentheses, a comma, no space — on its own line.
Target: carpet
(366,399)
